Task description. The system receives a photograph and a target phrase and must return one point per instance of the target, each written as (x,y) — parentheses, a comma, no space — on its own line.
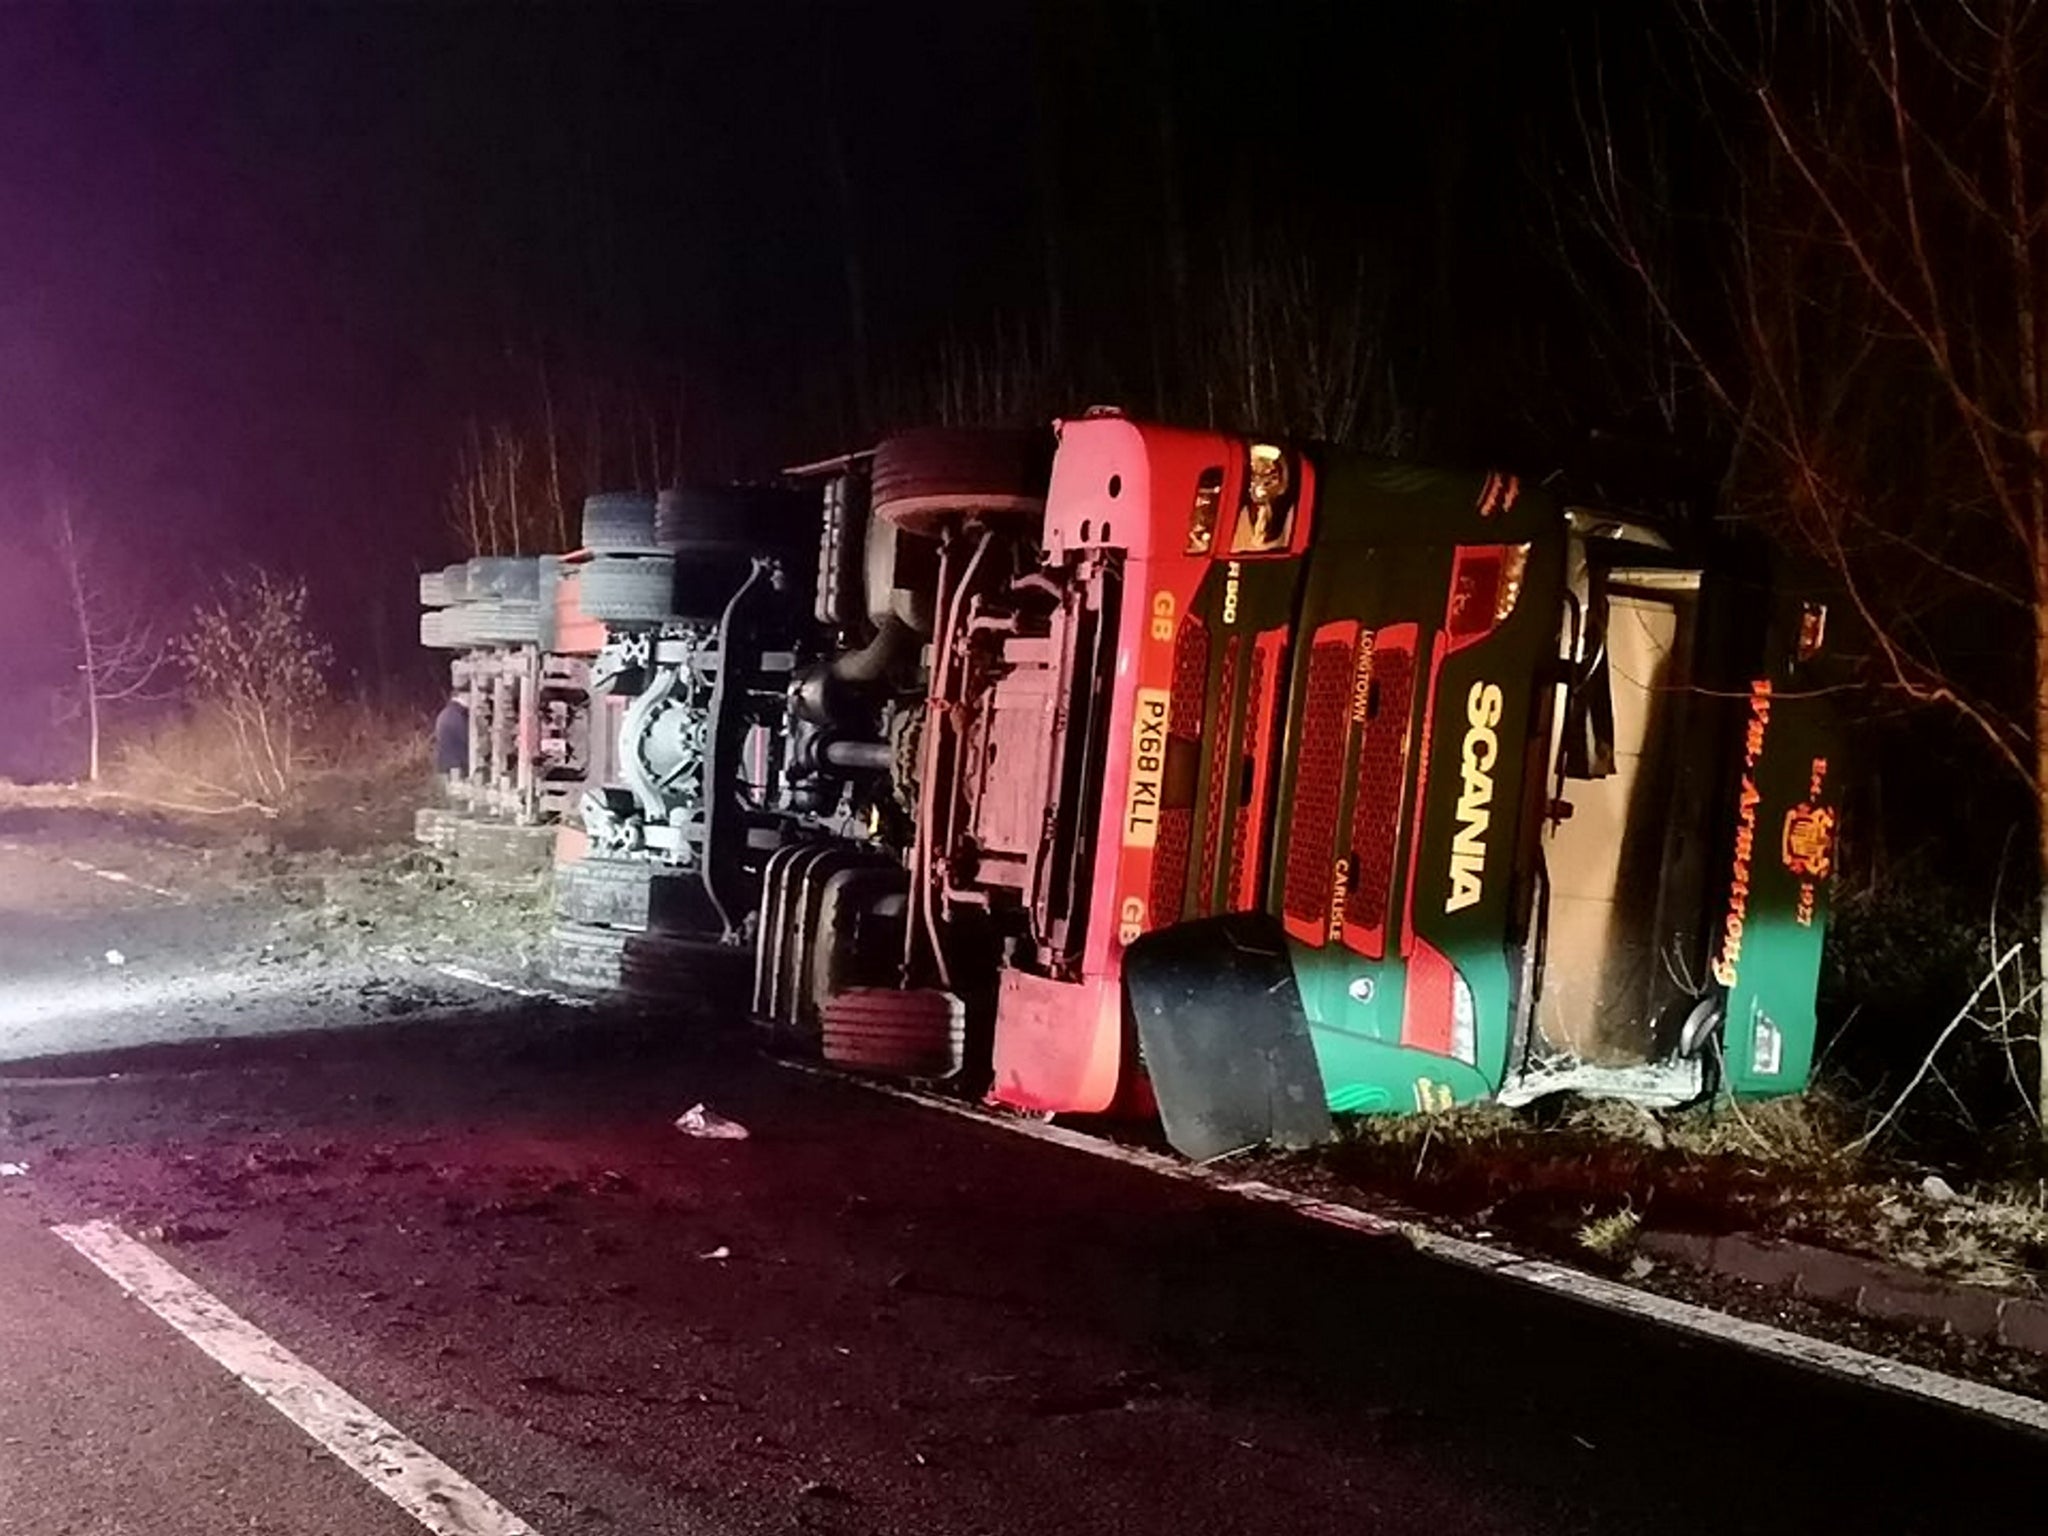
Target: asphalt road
(866,1317)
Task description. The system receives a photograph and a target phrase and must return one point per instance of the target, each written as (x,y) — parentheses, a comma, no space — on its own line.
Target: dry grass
(1587,1176)
(358,761)
(1613,1236)
(1996,1235)
(187,764)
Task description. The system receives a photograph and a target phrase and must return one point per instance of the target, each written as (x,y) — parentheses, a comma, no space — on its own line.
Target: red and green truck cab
(1400,788)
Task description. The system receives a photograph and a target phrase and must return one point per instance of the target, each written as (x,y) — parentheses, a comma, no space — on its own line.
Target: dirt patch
(401,903)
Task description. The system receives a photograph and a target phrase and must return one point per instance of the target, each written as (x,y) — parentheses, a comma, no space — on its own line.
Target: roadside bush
(1906,957)
(349,753)
(257,672)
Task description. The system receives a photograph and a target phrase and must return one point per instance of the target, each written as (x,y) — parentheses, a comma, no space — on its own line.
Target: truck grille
(1311,842)
(1256,745)
(1223,780)
(1190,678)
(1376,802)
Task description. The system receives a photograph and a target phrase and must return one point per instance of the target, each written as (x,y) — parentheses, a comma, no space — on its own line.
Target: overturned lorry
(1128,769)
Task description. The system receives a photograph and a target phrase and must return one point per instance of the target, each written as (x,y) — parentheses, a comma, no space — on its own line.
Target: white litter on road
(708,1124)
(13,1170)
(418,1482)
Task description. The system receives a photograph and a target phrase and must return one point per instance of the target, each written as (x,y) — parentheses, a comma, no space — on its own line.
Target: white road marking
(1592,1290)
(1795,1348)
(420,1483)
(118,878)
(478,978)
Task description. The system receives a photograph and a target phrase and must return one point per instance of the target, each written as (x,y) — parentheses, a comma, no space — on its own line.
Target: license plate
(1148,768)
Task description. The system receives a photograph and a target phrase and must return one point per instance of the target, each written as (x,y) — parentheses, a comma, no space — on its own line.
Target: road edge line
(1797,1349)
(410,1476)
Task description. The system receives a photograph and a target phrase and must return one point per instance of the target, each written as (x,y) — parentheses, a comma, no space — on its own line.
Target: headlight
(1464,1022)
(1514,562)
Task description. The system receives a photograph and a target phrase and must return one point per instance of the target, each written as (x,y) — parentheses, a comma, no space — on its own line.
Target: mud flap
(1225,1038)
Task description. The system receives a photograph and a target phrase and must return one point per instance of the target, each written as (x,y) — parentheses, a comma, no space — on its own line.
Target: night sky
(259,264)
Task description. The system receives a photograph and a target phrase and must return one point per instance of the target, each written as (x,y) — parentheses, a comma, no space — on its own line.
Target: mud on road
(120,929)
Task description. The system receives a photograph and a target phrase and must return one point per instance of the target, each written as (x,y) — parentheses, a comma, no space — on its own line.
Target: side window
(1265,513)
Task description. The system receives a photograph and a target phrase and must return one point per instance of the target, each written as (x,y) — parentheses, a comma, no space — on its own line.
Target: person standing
(451,741)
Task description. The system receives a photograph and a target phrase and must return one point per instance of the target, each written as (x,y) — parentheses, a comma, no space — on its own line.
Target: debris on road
(720,1252)
(699,1121)
(172,1232)
(115,957)
(13,1170)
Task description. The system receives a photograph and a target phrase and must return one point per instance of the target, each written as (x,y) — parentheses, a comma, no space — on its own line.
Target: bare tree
(1881,359)
(257,665)
(119,652)
(1297,344)
(520,477)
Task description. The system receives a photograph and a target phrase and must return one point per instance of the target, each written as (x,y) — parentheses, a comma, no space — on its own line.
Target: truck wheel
(637,591)
(636,895)
(548,597)
(513,576)
(920,1033)
(618,520)
(577,955)
(503,621)
(677,971)
(922,478)
(436,629)
(434,827)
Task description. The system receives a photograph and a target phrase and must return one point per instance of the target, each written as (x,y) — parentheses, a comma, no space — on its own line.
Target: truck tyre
(577,955)
(598,959)
(918,1033)
(437,629)
(922,478)
(547,597)
(503,621)
(459,628)
(606,893)
(618,520)
(433,826)
(636,592)
(513,576)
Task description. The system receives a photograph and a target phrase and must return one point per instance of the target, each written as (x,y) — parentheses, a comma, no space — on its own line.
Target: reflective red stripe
(1380,787)
(1222,777)
(1262,702)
